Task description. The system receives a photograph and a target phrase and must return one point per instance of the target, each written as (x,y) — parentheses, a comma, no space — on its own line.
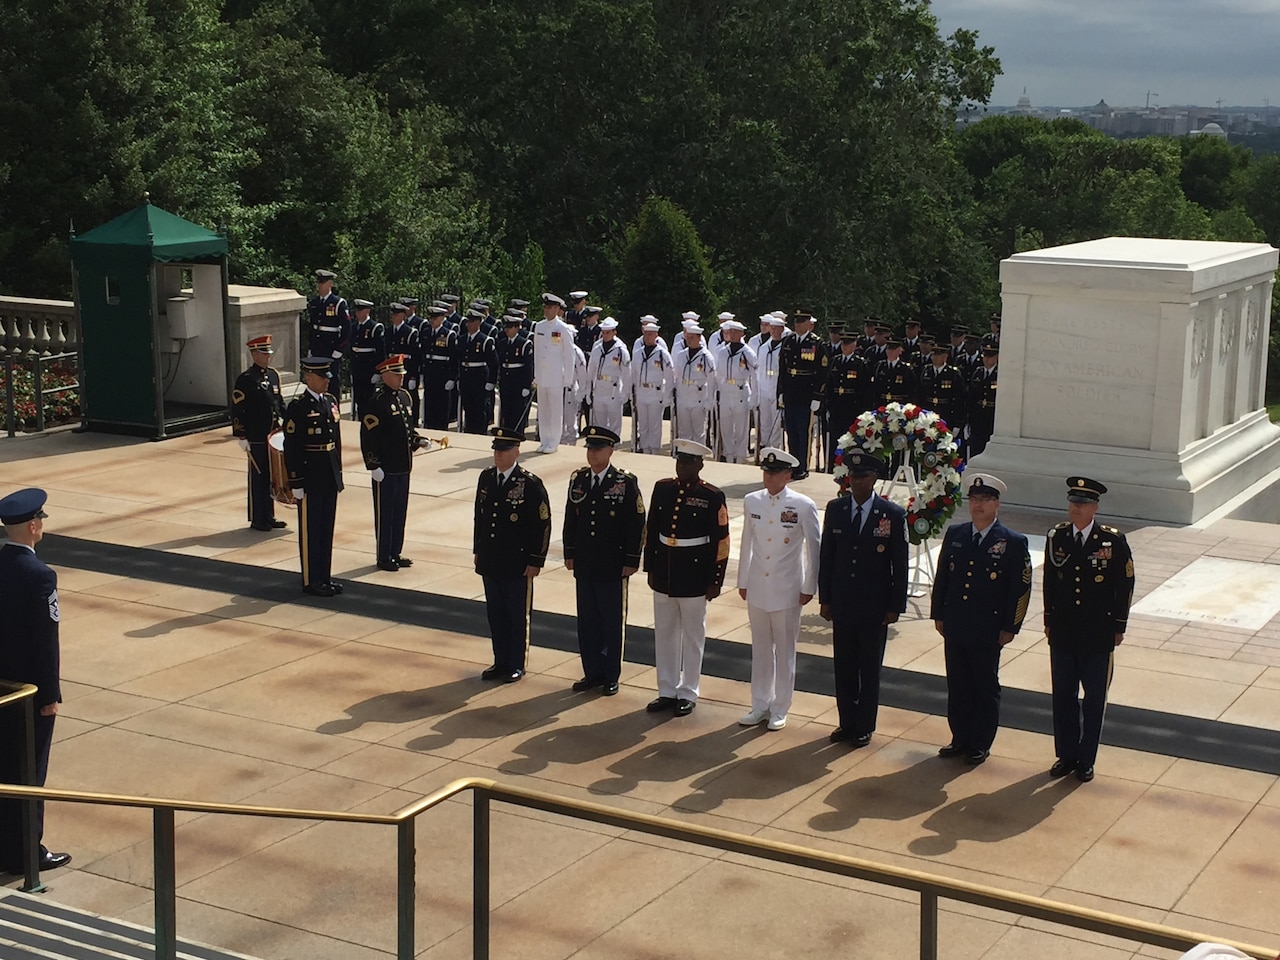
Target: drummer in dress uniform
(603,538)
(944,391)
(980,598)
(515,375)
(329,332)
(802,385)
(387,441)
(313,456)
(368,349)
(256,408)
(439,346)
(1088,588)
(982,401)
(478,360)
(685,555)
(509,545)
(849,390)
(402,339)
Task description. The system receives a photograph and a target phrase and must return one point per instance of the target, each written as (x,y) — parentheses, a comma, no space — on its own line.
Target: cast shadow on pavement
(580,744)
(405,706)
(765,776)
(901,795)
(992,817)
(671,761)
(497,720)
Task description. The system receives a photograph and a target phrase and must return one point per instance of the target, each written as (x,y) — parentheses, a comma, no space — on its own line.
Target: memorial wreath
(925,437)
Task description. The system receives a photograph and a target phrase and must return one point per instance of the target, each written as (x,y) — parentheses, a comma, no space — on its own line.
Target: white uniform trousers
(649,426)
(691,422)
(569,427)
(607,412)
(774,635)
(770,419)
(735,418)
(679,637)
(551,418)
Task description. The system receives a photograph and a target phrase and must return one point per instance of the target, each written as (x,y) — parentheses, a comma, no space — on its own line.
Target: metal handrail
(23,694)
(930,887)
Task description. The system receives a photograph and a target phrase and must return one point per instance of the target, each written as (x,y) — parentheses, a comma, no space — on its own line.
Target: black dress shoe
(492,673)
(584,684)
(839,735)
(610,689)
(684,707)
(264,527)
(861,740)
(975,758)
(278,524)
(47,861)
(337,587)
(660,704)
(799,474)
(1061,768)
(951,750)
(403,561)
(320,590)
(389,565)
(1084,774)
(512,676)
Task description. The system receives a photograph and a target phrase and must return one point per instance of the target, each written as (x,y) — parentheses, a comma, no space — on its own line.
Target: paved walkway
(183,691)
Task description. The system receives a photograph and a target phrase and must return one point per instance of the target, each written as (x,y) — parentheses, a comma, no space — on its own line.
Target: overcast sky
(1075,52)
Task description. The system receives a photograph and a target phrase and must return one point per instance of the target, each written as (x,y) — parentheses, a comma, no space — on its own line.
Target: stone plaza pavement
(200,693)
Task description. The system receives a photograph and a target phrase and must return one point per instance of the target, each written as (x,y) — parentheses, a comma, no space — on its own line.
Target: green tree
(1211,171)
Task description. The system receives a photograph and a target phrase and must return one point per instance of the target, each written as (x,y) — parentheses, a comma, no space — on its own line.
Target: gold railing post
(928,925)
(31,806)
(166,883)
(480,875)
(406,889)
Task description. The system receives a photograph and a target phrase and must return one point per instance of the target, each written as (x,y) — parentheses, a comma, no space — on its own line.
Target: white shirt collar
(1084,534)
(25,546)
(313,393)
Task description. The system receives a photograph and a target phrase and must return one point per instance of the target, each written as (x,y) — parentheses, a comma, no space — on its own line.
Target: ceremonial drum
(281,492)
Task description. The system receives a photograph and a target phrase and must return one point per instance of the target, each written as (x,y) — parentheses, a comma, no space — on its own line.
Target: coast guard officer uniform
(510,540)
(313,456)
(256,408)
(1088,587)
(980,598)
(603,537)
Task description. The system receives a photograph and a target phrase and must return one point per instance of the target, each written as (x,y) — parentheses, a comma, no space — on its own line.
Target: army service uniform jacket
(1087,590)
(604,529)
(512,523)
(387,437)
(256,404)
(313,442)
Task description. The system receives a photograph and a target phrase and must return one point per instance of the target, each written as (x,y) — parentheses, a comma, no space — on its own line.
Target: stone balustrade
(38,328)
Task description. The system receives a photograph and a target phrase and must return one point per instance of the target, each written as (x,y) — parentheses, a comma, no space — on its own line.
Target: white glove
(299,493)
(413,384)
(814,405)
(524,393)
(337,354)
(244,444)
(448,384)
(489,387)
(376,378)
(379,474)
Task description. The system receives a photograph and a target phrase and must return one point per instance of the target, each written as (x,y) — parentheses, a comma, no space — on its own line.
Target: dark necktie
(857,519)
(1079,540)
(595,484)
(977,541)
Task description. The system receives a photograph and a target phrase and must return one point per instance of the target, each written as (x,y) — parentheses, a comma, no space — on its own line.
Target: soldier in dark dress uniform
(510,541)
(368,349)
(992,338)
(1088,587)
(413,319)
(576,313)
(29,653)
(454,318)
(849,390)
(956,350)
(439,346)
(895,379)
(877,350)
(329,332)
(478,360)
(911,342)
(387,442)
(802,384)
(980,598)
(685,554)
(402,339)
(943,390)
(603,536)
(313,456)
(256,409)
(982,401)
(862,588)
(515,375)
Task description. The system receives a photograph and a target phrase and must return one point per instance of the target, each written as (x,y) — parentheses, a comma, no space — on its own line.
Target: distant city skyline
(1073,54)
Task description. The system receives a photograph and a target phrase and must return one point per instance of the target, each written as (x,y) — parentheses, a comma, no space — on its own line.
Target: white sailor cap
(608,323)
(693,328)
(725,316)
(731,325)
(768,320)
(649,327)
(648,318)
(690,315)
(779,315)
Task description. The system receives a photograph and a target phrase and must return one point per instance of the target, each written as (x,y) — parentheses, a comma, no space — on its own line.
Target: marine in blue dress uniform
(603,536)
(313,457)
(256,409)
(862,588)
(329,333)
(28,654)
(509,545)
(980,598)
(368,349)
(515,374)
(1088,587)
(387,442)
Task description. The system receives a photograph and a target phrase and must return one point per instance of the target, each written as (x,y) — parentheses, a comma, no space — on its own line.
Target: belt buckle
(672,541)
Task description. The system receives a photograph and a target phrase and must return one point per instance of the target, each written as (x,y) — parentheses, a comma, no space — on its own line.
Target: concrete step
(36,927)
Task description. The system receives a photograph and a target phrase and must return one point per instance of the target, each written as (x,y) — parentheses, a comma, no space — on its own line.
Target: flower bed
(63,407)
(925,439)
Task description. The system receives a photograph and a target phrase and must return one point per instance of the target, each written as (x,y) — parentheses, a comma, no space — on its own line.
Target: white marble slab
(1230,593)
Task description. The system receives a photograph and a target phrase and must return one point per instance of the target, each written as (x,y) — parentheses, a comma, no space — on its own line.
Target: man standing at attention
(862,588)
(608,376)
(509,546)
(256,406)
(777,575)
(313,456)
(1088,586)
(685,554)
(651,376)
(980,598)
(387,441)
(802,384)
(553,361)
(603,538)
(329,332)
(28,654)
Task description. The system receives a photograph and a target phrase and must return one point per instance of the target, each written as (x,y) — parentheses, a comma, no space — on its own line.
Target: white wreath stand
(922,569)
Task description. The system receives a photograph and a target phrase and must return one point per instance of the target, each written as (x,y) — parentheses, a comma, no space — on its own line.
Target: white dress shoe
(777,723)
(753,718)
